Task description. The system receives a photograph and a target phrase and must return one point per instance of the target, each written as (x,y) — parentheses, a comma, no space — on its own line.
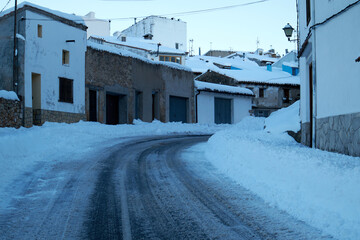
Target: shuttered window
(66,90)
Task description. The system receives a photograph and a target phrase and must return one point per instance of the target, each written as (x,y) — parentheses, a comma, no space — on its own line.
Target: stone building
(330,109)
(49,72)
(121,87)
(270,95)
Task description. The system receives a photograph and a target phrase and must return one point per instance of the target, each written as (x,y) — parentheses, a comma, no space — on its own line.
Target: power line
(171,14)
(199,11)
(5,6)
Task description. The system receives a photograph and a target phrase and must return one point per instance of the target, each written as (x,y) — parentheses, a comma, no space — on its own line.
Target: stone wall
(42,116)
(10,113)
(305,134)
(339,134)
(111,73)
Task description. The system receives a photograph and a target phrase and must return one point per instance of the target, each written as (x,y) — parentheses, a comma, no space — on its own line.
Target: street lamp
(288,30)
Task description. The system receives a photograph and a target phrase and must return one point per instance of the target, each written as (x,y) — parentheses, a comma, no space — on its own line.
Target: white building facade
(51,64)
(329,72)
(221,104)
(96,26)
(171,33)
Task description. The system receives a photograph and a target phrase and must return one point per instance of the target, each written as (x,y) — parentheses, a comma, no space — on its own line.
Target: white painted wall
(206,107)
(98,27)
(337,47)
(165,31)
(44,56)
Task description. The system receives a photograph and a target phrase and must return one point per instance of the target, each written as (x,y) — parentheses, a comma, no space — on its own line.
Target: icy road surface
(149,188)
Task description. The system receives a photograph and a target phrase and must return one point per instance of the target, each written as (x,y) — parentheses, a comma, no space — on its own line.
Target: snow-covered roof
(9,95)
(291,64)
(125,53)
(222,88)
(71,17)
(142,44)
(248,71)
(251,55)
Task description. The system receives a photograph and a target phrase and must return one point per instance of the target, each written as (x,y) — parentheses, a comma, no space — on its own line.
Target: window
(177,45)
(66,90)
(286,98)
(65,57)
(261,92)
(175,59)
(39,31)
(308,11)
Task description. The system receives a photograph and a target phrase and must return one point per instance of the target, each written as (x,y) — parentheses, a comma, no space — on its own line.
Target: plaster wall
(336,72)
(97,27)
(241,106)
(44,56)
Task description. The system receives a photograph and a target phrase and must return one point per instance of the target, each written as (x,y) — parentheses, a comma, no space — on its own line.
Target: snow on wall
(125,53)
(206,107)
(337,73)
(165,31)
(44,56)
(9,95)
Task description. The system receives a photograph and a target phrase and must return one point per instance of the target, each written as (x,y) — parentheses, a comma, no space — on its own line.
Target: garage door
(178,109)
(222,110)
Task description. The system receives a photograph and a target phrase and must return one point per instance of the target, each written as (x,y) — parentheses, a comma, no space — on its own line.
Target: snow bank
(318,187)
(21,149)
(286,119)
(9,95)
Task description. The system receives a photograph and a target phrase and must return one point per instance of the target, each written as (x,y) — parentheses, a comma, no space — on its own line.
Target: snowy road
(150,188)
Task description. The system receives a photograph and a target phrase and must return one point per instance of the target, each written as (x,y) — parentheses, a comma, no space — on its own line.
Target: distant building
(273,88)
(169,32)
(219,53)
(50,72)
(96,26)
(329,72)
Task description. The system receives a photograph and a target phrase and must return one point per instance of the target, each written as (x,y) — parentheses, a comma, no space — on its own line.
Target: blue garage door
(222,110)
(178,109)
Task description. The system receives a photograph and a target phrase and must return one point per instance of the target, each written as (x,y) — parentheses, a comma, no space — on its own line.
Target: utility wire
(172,14)
(5,6)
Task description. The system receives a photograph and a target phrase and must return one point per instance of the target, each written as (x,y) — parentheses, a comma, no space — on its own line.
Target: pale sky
(235,28)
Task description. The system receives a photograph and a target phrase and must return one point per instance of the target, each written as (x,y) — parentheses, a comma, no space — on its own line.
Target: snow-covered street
(249,179)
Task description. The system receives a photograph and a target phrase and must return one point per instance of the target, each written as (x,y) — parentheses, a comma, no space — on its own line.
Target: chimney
(269,66)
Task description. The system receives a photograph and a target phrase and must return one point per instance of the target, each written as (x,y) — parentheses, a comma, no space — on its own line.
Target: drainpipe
(314,96)
(196,105)
(15,52)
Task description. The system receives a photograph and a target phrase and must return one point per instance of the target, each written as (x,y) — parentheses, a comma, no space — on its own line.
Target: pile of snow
(286,119)
(318,187)
(9,95)
(21,149)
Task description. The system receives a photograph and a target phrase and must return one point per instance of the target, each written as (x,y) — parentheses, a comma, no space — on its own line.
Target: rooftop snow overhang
(224,92)
(67,21)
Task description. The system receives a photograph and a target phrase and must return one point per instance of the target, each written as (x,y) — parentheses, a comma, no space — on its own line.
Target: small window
(177,45)
(167,59)
(178,60)
(39,31)
(66,90)
(261,92)
(162,58)
(286,98)
(173,59)
(65,57)
(308,11)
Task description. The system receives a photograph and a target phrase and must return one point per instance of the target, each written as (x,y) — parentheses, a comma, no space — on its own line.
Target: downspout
(196,104)
(314,96)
